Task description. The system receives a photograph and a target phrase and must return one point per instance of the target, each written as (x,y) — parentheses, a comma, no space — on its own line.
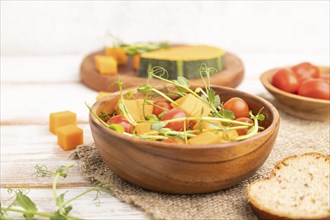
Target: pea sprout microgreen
(138,48)
(114,127)
(255,128)
(147,89)
(22,204)
(122,106)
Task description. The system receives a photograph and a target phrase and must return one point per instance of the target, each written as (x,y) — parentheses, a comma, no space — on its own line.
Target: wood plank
(23,147)
(23,174)
(20,137)
(32,104)
(84,207)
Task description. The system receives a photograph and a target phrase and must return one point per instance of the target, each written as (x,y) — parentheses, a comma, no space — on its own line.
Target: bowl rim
(265,79)
(178,146)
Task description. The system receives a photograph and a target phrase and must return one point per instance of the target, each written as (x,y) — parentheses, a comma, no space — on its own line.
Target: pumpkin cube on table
(59,119)
(69,137)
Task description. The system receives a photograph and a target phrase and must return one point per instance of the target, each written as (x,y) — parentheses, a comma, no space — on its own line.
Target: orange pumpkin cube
(118,53)
(106,65)
(136,62)
(59,119)
(69,137)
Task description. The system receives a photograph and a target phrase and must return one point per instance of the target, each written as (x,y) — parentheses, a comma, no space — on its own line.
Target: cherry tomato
(174,141)
(238,106)
(315,88)
(121,120)
(286,80)
(306,71)
(172,114)
(165,106)
(243,119)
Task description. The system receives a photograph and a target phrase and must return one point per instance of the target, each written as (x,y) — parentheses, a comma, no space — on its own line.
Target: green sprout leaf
(260,117)
(62,169)
(151,117)
(182,84)
(158,125)
(58,216)
(60,199)
(129,94)
(216,102)
(211,95)
(145,89)
(117,127)
(25,202)
(183,81)
(67,209)
(138,48)
(228,114)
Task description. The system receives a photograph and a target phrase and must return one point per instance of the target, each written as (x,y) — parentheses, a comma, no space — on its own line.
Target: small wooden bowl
(300,106)
(180,168)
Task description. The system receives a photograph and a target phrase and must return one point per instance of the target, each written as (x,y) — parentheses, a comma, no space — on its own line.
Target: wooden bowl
(230,76)
(300,106)
(180,168)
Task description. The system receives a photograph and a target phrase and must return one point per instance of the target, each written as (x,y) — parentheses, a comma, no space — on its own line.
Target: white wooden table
(32,87)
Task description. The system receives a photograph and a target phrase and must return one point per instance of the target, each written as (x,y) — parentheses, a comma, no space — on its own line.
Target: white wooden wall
(78,27)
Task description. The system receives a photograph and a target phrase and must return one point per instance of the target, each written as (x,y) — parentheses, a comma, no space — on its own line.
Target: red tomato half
(172,114)
(238,106)
(306,71)
(315,88)
(121,120)
(165,106)
(286,80)
(243,119)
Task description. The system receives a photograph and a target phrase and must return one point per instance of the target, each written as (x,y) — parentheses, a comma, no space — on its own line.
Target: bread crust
(263,213)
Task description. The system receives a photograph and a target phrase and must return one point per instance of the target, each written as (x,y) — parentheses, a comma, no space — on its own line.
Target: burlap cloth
(296,136)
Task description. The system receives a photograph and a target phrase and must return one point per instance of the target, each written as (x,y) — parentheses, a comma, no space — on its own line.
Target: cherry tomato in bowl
(315,88)
(238,106)
(286,80)
(160,107)
(306,107)
(172,114)
(305,71)
(243,119)
(121,120)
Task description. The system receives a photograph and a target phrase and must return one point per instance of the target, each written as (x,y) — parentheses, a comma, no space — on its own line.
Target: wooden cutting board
(230,76)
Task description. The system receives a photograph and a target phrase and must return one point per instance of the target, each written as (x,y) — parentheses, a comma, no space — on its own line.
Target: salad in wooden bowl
(179,139)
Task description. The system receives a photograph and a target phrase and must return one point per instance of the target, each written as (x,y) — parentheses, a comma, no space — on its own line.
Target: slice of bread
(297,188)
